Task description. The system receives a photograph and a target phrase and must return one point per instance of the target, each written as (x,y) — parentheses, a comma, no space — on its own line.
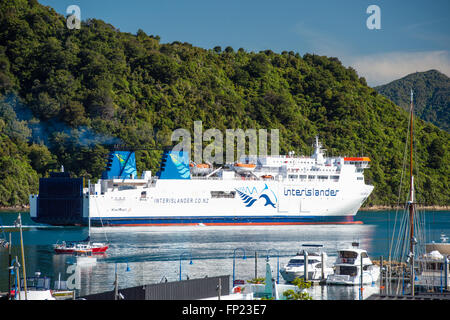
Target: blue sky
(414,35)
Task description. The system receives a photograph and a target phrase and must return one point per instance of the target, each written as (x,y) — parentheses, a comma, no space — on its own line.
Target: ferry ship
(257,190)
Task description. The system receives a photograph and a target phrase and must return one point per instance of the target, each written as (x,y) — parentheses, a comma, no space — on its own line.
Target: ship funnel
(174,165)
(120,165)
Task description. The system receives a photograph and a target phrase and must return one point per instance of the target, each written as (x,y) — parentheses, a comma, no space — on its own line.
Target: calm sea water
(144,255)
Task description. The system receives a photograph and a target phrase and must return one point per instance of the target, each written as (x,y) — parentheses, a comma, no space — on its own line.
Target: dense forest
(432,95)
(65,95)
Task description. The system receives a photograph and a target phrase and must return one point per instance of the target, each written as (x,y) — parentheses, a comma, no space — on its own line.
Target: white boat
(348,268)
(432,271)
(38,288)
(295,268)
(264,190)
(432,268)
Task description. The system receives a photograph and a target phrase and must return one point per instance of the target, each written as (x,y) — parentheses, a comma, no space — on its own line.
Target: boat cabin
(353,256)
(36,283)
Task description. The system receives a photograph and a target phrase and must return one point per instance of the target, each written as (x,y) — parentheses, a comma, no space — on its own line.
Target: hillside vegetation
(431,96)
(67,94)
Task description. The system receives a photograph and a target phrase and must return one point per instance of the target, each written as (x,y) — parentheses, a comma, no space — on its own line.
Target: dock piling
(305,254)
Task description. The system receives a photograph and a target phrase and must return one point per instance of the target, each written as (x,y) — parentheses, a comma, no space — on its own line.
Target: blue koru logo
(250,196)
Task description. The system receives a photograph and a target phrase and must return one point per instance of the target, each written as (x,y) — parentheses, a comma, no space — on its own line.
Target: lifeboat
(267,177)
(244,167)
(200,169)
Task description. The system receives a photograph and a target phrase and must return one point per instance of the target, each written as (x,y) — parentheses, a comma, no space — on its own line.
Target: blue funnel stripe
(175,165)
(122,165)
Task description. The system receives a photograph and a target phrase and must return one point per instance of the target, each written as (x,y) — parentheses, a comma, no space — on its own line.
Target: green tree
(301,295)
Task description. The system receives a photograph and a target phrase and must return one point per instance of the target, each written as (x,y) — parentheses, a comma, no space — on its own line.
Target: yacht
(348,268)
(295,268)
(432,271)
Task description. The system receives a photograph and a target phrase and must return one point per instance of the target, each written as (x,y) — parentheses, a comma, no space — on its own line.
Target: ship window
(311,177)
(302,177)
(348,270)
(223,194)
(359,178)
(293,176)
(297,262)
(322,177)
(335,178)
(434,266)
(120,188)
(347,254)
(364,254)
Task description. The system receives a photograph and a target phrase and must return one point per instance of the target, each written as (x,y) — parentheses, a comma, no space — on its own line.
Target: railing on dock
(177,290)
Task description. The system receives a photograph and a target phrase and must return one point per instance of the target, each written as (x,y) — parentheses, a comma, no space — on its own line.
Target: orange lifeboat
(244,167)
(200,168)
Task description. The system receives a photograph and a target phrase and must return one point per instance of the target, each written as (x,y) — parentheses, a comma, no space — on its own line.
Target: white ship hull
(190,202)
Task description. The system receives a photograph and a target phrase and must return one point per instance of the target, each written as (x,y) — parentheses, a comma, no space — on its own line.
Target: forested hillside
(431,95)
(66,94)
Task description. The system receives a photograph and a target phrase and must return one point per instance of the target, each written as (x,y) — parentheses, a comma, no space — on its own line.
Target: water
(144,255)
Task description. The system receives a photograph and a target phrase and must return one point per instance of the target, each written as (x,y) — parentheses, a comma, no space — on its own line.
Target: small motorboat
(295,268)
(349,265)
(78,247)
(81,246)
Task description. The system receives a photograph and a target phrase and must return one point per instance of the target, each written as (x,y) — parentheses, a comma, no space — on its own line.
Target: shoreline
(384,208)
(15,208)
(371,208)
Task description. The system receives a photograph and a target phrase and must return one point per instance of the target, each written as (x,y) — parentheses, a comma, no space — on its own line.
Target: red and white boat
(73,247)
(81,247)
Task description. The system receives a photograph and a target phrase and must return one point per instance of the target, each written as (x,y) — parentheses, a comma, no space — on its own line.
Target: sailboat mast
(89,212)
(411,202)
(411,185)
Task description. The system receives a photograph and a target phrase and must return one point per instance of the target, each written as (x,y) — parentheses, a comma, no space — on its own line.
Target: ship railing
(205,178)
(250,178)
